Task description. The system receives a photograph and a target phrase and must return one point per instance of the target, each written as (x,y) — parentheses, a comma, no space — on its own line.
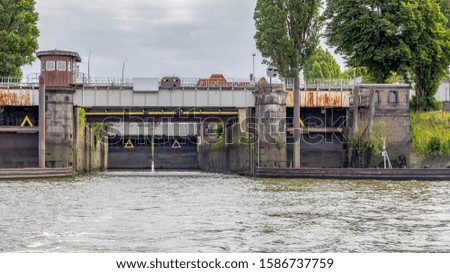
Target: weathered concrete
(59,128)
(233,153)
(90,152)
(230,158)
(270,115)
(396,116)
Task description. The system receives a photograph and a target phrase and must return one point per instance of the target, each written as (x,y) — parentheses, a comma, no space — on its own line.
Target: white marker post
(153,152)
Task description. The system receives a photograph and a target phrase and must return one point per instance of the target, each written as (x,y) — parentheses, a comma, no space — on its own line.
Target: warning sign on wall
(176,145)
(26,120)
(129,145)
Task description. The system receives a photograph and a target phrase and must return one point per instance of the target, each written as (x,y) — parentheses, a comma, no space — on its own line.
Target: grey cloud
(188,38)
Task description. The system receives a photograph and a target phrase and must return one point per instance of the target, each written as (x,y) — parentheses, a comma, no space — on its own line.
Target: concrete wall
(420,162)
(90,153)
(396,116)
(233,153)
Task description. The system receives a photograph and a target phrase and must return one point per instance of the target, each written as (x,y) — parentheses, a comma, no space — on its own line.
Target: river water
(201,212)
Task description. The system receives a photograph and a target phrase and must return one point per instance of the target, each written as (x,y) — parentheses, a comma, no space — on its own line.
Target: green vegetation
(18,35)
(98,127)
(287,33)
(407,37)
(81,121)
(366,33)
(322,65)
(430,133)
(375,142)
(280,144)
(445,8)
(429,41)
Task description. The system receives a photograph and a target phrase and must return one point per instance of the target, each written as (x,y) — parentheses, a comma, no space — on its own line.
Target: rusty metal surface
(10,97)
(319,98)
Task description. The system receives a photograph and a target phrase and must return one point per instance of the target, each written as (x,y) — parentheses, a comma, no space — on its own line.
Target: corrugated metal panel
(18,97)
(320,98)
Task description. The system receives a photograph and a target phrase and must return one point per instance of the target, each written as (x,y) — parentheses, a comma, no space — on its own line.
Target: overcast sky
(187,38)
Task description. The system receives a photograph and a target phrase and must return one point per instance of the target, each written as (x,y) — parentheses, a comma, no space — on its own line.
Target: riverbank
(357,174)
(27,173)
(315,173)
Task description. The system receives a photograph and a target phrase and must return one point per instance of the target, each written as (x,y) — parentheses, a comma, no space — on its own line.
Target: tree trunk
(296,122)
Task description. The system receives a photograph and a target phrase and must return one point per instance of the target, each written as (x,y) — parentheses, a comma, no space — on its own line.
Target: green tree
(18,35)
(368,34)
(287,32)
(445,9)
(322,65)
(429,41)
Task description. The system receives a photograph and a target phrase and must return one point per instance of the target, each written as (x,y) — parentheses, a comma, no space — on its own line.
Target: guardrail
(7,82)
(231,83)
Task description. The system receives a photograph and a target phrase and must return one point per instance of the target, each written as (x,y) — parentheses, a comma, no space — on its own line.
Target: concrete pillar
(41,122)
(270,117)
(59,127)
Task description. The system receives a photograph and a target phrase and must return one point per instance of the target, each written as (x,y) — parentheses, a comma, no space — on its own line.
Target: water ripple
(202,212)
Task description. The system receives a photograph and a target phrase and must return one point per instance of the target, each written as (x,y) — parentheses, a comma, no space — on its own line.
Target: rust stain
(15,98)
(318,99)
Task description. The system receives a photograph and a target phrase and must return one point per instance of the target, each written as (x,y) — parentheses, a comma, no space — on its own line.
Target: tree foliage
(429,41)
(445,9)
(407,37)
(18,35)
(322,65)
(287,32)
(368,34)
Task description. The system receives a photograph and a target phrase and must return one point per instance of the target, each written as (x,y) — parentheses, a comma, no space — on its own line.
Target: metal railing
(8,82)
(332,84)
(102,81)
(32,80)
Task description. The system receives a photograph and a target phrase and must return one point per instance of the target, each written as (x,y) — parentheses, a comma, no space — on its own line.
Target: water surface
(200,212)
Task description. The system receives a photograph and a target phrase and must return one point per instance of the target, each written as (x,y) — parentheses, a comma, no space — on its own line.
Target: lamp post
(253,55)
(123,68)
(89,68)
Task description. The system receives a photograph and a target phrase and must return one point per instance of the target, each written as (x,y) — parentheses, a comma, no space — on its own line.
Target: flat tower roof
(57,52)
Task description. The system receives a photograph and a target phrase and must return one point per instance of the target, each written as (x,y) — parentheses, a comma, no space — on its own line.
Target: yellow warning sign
(176,145)
(129,145)
(25,121)
(301,122)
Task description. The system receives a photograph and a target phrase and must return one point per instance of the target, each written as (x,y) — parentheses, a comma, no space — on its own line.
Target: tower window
(50,65)
(61,66)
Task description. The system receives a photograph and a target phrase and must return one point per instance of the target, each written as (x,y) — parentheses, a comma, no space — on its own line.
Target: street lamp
(123,68)
(253,55)
(89,68)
